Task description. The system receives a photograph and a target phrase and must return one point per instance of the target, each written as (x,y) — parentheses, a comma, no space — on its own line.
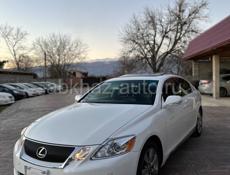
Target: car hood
(3,94)
(83,123)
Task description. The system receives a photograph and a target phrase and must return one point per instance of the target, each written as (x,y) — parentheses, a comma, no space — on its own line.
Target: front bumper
(32,94)
(7,102)
(120,165)
(205,89)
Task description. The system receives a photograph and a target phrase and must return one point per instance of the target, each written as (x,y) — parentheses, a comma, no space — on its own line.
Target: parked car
(56,87)
(6,98)
(45,86)
(18,94)
(29,92)
(206,86)
(40,91)
(125,126)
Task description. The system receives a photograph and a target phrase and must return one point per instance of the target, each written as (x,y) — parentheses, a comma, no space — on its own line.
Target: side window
(176,86)
(6,90)
(185,87)
(170,87)
(226,78)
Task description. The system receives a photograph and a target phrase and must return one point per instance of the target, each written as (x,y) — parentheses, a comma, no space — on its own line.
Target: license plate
(33,171)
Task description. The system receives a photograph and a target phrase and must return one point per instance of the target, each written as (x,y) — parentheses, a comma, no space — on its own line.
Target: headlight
(16,92)
(115,147)
(82,153)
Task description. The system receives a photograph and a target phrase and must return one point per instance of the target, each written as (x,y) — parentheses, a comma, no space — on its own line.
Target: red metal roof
(210,40)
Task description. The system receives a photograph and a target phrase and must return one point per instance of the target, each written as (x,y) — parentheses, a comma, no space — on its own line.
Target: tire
(149,160)
(27,95)
(223,92)
(199,126)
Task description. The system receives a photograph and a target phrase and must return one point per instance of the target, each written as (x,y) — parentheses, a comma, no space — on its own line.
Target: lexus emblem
(41,152)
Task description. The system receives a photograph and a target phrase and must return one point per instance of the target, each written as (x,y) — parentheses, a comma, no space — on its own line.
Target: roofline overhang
(208,51)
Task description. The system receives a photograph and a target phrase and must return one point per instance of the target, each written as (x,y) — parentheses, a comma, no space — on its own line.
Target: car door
(188,105)
(173,114)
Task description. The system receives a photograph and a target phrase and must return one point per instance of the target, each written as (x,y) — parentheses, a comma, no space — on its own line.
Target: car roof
(7,86)
(159,77)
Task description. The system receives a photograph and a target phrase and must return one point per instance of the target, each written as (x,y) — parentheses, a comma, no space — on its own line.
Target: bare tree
(2,64)
(26,62)
(126,65)
(60,51)
(129,65)
(159,33)
(15,40)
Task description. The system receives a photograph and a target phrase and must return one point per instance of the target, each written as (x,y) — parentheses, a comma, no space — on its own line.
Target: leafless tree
(2,63)
(26,62)
(158,33)
(60,51)
(15,40)
(129,65)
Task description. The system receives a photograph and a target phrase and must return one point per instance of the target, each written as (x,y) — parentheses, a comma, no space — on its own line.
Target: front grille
(56,154)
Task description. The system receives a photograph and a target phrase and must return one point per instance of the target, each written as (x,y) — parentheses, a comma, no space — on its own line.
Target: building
(7,76)
(75,77)
(210,54)
(78,74)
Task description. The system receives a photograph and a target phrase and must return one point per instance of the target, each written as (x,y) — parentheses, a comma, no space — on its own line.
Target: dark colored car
(18,94)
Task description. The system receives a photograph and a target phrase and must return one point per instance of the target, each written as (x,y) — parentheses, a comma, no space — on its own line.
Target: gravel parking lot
(207,155)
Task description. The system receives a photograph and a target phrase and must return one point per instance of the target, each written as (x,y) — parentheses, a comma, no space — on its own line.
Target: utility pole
(45,66)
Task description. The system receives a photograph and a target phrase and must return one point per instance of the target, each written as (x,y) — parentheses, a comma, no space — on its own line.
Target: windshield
(20,86)
(30,85)
(9,87)
(40,84)
(141,92)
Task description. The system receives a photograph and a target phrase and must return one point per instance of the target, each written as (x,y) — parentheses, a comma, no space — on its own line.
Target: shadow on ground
(207,155)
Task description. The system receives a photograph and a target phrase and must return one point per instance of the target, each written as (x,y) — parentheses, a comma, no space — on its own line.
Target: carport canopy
(214,44)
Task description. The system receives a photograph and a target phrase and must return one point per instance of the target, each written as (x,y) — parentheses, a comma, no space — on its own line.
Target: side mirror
(77,98)
(172,100)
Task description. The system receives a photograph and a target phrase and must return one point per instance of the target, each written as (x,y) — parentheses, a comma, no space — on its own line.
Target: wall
(11,78)
(205,68)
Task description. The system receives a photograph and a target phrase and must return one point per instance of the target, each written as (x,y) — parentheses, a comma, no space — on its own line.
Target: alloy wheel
(151,163)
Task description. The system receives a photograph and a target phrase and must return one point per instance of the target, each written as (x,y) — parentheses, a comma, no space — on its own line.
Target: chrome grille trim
(40,163)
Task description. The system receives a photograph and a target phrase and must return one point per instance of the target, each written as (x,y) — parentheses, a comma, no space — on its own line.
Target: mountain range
(100,67)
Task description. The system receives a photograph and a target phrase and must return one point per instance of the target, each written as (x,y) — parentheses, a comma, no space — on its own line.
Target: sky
(98,23)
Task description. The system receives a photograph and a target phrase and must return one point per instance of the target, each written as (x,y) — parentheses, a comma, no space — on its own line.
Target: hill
(100,67)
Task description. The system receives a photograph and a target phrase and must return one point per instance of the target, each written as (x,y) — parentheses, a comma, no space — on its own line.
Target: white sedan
(6,98)
(28,91)
(206,86)
(39,90)
(125,126)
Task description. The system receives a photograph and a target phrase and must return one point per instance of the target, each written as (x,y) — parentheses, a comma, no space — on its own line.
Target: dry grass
(2,108)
